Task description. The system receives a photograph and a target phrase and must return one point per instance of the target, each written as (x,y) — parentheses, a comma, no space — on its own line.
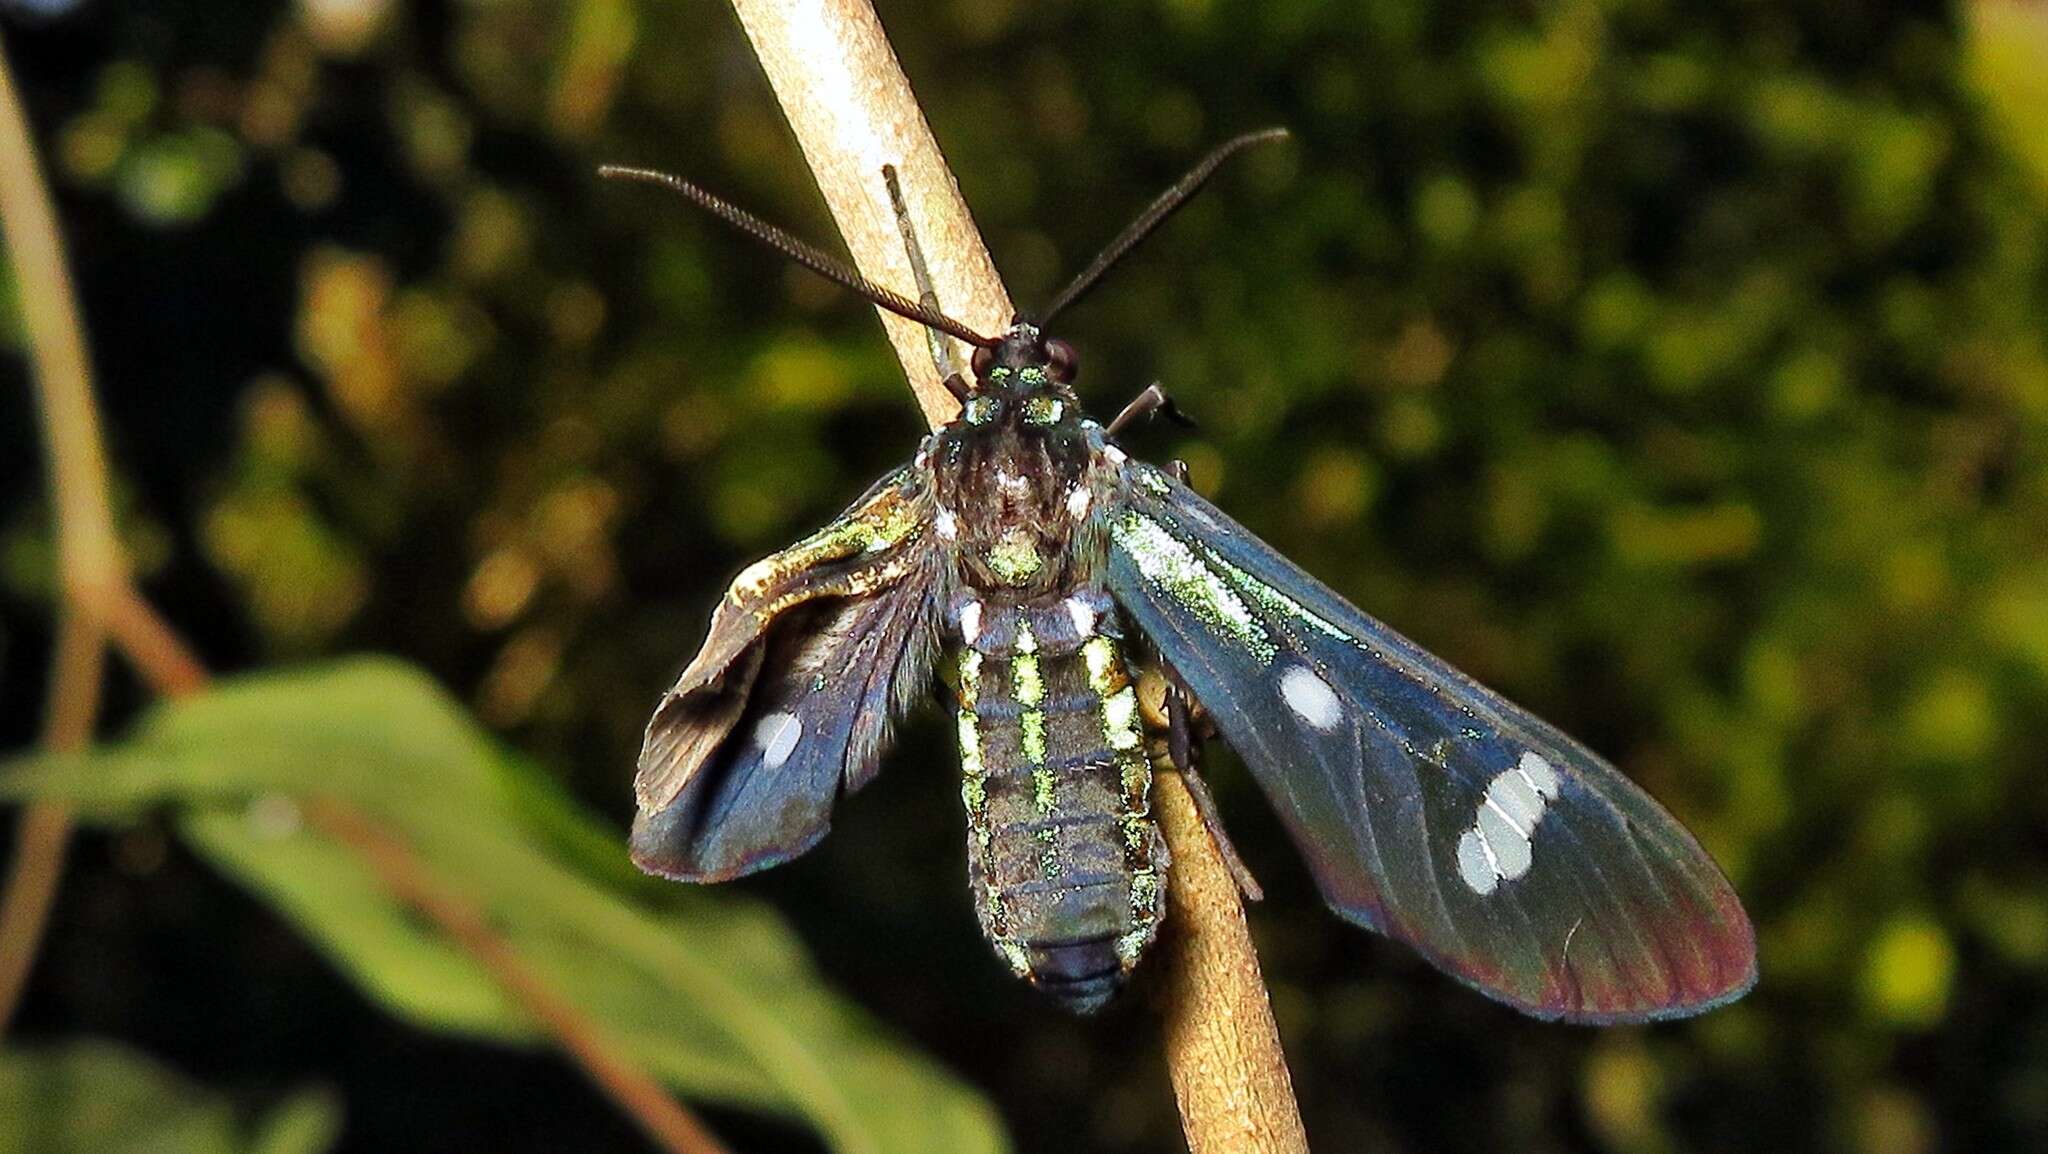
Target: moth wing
(811,654)
(869,547)
(1428,807)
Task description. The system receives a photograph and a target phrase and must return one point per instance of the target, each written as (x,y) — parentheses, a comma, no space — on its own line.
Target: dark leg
(1152,400)
(1181,744)
(928,296)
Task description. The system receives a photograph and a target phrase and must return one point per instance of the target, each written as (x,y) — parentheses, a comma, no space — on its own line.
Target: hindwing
(1428,807)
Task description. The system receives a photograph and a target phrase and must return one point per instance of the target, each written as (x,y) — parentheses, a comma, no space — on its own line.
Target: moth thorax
(1018,545)
(1016,558)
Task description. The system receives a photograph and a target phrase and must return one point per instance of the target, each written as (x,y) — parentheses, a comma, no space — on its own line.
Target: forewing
(1429,808)
(870,547)
(834,674)
(810,657)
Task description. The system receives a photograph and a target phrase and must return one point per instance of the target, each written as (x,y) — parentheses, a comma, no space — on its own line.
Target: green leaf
(711,992)
(371,730)
(324,888)
(88,1097)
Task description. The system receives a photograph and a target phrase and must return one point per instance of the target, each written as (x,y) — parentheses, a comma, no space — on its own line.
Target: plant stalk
(851,107)
(90,565)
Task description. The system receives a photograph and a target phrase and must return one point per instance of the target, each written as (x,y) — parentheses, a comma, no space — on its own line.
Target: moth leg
(943,358)
(1182,745)
(1152,400)
(1179,469)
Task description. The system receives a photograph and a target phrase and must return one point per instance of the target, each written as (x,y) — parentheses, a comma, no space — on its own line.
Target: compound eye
(983,358)
(1061,360)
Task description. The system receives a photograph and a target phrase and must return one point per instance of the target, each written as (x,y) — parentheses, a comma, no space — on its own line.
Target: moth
(1040,569)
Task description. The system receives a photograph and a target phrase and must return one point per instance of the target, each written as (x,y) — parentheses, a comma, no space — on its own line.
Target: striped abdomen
(1063,858)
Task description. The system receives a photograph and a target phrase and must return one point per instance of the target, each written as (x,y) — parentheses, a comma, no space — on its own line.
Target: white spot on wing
(1538,773)
(1077,502)
(1514,800)
(970,621)
(1511,850)
(777,736)
(1082,616)
(1311,698)
(948,527)
(1475,865)
(1500,844)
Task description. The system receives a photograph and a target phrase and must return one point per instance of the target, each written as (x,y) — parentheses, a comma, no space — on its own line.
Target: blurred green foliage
(1681,370)
(87,1097)
(2005,46)
(713,997)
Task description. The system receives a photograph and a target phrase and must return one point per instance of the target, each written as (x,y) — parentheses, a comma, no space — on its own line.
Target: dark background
(1679,369)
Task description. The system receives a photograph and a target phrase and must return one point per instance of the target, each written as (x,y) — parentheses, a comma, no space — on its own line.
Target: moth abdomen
(1083,974)
(1063,855)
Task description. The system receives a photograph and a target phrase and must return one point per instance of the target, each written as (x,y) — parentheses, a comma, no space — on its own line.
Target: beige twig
(88,550)
(852,110)
(89,561)
(149,643)
(1223,1049)
(102,604)
(76,669)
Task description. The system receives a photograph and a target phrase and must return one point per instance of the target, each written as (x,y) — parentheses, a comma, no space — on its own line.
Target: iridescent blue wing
(1429,808)
(811,655)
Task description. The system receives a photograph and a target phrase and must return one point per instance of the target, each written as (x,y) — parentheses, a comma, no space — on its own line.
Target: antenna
(943,359)
(803,254)
(1154,215)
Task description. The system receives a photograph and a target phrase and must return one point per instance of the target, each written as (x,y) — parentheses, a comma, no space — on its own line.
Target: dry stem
(852,110)
(89,560)
(1223,1049)
(76,670)
(100,603)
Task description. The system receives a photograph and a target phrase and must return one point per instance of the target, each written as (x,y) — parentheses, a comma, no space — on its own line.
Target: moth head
(1023,358)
